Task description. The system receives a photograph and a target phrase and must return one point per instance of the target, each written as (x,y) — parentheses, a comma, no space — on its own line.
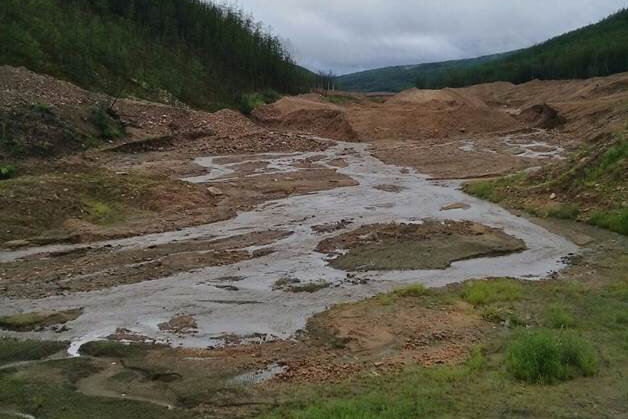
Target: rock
(455,206)
(553,196)
(15,244)
(215,191)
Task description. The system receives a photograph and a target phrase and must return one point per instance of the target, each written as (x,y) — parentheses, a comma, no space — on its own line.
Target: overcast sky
(354,35)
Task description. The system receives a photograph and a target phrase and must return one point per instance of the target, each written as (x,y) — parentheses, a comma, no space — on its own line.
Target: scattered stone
(215,191)
(553,196)
(227,287)
(181,324)
(16,244)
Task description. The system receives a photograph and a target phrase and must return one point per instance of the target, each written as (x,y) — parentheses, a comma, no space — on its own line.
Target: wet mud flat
(196,272)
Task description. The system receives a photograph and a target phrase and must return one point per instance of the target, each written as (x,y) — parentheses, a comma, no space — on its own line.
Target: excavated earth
(298,217)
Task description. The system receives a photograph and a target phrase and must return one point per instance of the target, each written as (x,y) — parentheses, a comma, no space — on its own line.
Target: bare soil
(430,245)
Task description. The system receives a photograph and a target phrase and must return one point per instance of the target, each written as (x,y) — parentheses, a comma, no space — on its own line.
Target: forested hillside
(593,51)
(398,78)
(600,49)
(197,52)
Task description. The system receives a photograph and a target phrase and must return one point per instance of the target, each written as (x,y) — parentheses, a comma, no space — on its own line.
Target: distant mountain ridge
(600,49)
(398,78)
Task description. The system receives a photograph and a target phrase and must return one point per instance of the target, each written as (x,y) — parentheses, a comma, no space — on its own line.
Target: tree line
(201,53)
(596,50)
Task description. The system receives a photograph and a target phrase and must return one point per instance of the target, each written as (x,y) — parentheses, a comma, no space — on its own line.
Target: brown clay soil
(131,185)
(431,130)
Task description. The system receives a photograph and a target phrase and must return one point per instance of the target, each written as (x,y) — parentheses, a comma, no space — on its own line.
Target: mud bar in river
(254,308)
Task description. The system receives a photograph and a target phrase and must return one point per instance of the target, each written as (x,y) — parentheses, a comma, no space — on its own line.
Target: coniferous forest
(204,54)
(596,50)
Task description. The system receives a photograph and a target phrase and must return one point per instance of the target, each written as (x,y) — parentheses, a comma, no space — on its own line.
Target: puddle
(258,309)
(258,376)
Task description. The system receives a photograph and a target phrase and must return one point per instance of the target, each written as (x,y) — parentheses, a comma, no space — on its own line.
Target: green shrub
(544,357)
(616,221)
(7,171)
(251,101)
(107,123)
(491,291)
(558,317)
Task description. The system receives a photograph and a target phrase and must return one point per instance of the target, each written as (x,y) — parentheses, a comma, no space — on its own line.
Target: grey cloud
(353,35)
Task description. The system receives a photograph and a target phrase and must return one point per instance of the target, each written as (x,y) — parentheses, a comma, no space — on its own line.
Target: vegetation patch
(491,291)
(557,316)
(310,287)
(7,171)
(254,100)
(612,220)
(591,186)
(32,321)
(548,357)
(110,349)
(14,350)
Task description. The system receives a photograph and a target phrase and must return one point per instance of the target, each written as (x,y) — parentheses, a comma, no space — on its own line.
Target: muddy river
(252,307)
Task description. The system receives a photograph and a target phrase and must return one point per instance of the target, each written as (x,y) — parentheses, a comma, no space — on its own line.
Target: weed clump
(491,291)
(7,171)
(558,317)
(616,221)
(544,357)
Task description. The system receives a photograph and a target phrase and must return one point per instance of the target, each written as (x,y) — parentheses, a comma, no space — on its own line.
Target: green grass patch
(310,287)
(491,291)
(557,316)
(545,357)
(409,291)
(616,221)
(30,321)
(14,350)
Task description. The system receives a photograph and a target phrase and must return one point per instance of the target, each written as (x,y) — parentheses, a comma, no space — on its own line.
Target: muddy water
(257,311)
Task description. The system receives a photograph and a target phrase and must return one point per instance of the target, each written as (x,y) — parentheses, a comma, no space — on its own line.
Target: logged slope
(593,51)
(203,54)
(398,78)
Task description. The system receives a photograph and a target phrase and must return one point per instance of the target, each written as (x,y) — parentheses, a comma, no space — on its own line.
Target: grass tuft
(491,291)
(544,357)
(558,317)
(616,221)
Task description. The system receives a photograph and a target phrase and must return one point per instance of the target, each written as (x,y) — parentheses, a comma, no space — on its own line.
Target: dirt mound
(20,86)
(541,116)
(444,97)
(308,113)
